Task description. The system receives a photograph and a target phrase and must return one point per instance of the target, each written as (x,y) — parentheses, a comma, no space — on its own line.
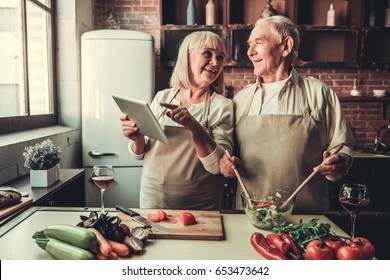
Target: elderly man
(287,124)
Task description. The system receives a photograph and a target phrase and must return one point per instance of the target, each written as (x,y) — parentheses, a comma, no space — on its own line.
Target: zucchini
(63,251)
(73,235)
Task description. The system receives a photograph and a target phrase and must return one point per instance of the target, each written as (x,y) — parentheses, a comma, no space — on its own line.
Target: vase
(191,13)
(269,11)
(44,178)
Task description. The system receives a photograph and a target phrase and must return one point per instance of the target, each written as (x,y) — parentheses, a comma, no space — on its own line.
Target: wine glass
(103,176)
(352,198)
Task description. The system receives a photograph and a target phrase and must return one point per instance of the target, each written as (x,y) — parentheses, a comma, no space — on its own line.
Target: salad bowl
(262,208)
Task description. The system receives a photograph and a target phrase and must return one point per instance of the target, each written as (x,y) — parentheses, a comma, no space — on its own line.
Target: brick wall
(364,117)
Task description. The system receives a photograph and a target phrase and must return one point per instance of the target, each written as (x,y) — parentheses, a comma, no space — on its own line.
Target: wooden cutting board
(12,208)
(208,226)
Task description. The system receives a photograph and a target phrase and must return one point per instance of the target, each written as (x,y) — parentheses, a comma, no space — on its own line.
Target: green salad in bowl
(263,210)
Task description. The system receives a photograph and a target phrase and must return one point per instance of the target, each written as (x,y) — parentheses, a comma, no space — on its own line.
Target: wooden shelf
(349,44)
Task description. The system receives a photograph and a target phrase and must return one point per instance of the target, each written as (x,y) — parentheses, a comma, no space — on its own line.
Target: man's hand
(334,167)
(227,166)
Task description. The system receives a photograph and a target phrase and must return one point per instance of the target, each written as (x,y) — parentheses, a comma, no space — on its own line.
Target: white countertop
(359,154)
(18,242)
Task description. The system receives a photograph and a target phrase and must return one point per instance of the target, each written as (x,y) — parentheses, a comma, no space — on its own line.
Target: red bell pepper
(285,244)
(275,246)
(261,245)
(292,247)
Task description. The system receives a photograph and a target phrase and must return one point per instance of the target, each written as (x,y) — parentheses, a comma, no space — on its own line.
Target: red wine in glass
(353,205)
(103,182)
(352,198)
(103,176)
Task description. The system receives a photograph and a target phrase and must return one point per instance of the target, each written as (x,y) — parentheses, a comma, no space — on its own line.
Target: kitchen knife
(139,219)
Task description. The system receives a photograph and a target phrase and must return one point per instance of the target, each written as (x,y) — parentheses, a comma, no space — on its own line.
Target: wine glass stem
(102,200)
(353,222)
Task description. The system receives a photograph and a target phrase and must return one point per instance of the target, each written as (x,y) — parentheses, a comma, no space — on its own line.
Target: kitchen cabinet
(375,50)
(351,43)
(68,191)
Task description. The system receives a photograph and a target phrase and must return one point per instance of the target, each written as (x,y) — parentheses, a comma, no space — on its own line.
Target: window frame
(20,123)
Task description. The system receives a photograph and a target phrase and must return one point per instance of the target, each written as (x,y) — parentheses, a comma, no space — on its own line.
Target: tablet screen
(139,111)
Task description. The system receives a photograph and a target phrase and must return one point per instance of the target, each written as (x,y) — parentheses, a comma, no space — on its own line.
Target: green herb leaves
(303,233)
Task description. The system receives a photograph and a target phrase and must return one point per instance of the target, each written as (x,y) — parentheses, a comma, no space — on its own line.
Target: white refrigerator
(117,62)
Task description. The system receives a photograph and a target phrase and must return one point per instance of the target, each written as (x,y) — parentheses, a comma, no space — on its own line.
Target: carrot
(113,256)
(99,256)
(104,247)
(120,249)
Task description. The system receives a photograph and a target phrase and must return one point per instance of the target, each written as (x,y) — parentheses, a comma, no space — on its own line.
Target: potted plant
(43,160)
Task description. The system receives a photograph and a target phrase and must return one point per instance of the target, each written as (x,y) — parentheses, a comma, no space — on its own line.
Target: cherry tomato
(162,215)
(187,218)
(155,218)
(365,245)
(317,250)
(334,243)
(267,204)
(349,253)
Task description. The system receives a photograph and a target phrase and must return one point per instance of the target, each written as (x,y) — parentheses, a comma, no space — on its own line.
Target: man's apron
(280,151)
(173,176)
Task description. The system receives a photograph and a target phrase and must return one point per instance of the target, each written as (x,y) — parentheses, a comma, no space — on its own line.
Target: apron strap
(305,100)
(167,99)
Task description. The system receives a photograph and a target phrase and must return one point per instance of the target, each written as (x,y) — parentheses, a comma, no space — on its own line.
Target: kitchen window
(27,65)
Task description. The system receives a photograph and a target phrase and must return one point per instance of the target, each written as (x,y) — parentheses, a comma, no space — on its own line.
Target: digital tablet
(140,112)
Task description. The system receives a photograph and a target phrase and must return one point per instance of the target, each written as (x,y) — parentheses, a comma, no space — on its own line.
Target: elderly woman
(198,122)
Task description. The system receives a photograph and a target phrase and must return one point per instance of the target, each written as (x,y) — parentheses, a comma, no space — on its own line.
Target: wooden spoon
(243,187)
(285,204)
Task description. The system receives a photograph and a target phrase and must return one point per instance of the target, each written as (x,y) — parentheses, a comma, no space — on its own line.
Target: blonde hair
(193,42)
(282,27)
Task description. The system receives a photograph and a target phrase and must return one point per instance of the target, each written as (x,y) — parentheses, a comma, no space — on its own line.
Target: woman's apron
(281,151)
(173,176)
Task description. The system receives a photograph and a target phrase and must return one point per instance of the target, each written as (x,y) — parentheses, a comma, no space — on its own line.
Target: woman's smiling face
(205,65)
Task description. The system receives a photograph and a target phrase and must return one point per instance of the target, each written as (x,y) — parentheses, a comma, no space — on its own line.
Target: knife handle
(127,211)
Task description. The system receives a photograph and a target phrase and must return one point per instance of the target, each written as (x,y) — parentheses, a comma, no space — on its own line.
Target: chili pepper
(291,244)
(285,244)
(278,243)
(261,245)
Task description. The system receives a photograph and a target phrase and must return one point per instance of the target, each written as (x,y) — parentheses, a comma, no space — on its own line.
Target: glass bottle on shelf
(331,15)
(354,90)
(210,13)
(387,16)
(191,13)
(372,18)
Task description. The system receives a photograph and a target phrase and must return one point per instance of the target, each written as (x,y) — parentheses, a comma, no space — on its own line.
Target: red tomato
(317,250)
(187,218)
(334,243)
(162,215)
(155,218)
(365,245)
(349,253)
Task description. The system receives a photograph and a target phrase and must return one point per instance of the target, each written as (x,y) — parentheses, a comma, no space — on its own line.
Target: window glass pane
(44,2)
(12,98)
(39,59)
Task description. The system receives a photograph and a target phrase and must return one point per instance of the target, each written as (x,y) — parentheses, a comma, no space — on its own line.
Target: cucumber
(63,251)
(73,235)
